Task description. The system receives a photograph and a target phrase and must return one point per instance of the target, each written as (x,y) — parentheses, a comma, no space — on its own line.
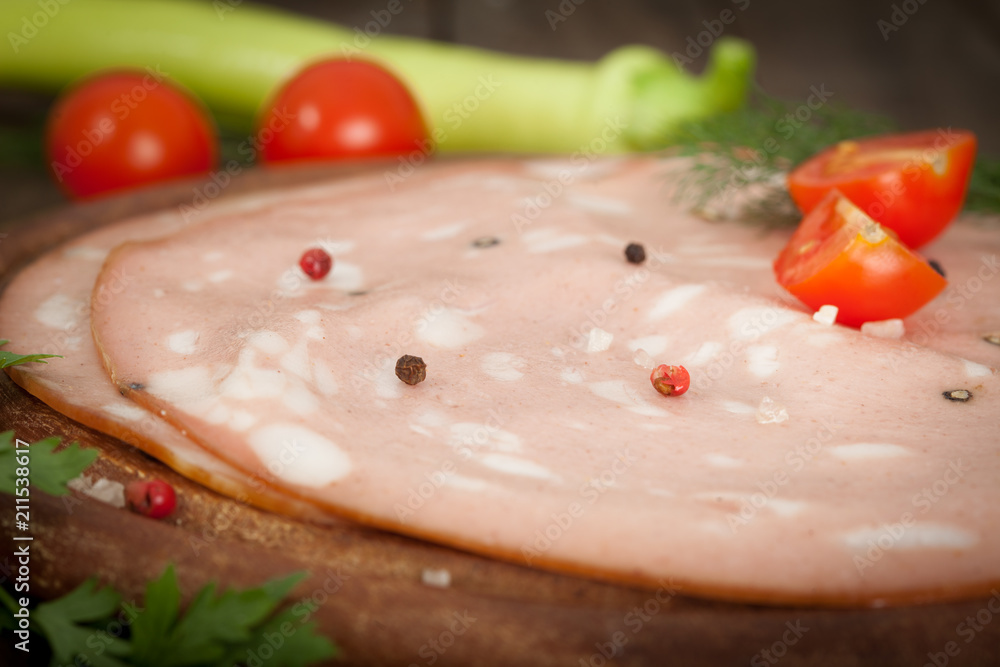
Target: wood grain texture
(368,582)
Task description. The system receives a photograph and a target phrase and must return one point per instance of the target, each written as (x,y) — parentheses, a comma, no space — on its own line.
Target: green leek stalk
(234,55)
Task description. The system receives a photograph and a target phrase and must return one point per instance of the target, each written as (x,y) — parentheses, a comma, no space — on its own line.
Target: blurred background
(925,63)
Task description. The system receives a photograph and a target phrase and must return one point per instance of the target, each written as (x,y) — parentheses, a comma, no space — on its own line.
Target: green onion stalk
(234,56)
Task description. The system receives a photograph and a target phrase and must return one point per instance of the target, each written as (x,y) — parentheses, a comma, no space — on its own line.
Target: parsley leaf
(10,359)
(290,643)
(65,622)
(49,470)
(220,628)
(232,627)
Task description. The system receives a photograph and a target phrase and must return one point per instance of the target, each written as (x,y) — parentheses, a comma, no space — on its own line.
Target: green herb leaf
(7,621)
(163,599)
(290,643)
(75,626)
(219,627)
(984,186)
(8,359)
(48,470)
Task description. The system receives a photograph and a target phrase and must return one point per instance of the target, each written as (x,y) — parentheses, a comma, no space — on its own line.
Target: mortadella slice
(46,308)
(807,463)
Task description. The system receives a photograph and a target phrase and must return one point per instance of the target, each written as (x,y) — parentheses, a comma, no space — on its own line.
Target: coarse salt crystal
(642,358)
(103,489)
(884,328)
(826,315)
(598,340)
(436,578)
(770,412)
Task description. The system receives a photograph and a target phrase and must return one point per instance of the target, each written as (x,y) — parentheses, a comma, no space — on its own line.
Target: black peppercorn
(635,253)
(410,369)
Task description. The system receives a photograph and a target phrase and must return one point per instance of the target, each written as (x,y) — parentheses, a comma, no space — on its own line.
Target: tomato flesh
(839,256)
(913,184)
(337,109)
(125,129)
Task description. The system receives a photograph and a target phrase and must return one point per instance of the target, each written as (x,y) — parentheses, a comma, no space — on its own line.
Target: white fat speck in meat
(514,465)
(923,535)
(183,342)
(503,366)
(892,329)
(673,300)
(762,360)
(60,311)
(299,455)
(449,329)
(864,451)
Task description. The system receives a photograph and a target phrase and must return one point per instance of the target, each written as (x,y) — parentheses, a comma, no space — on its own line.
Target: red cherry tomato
(341,109)
(914,183)
(124,129)
(841,257)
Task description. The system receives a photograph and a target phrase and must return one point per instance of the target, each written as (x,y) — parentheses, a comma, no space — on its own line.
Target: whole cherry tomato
(124,129)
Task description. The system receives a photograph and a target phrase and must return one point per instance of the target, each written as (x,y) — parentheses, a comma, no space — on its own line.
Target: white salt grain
(826,315)
(642,358)
(598,340)
(104,490)
(770,412)
(436,578)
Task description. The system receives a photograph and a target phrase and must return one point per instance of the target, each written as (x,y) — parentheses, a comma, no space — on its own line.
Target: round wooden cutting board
(367,583)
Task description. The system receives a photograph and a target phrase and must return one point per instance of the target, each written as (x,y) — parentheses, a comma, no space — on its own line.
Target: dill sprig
(737,161)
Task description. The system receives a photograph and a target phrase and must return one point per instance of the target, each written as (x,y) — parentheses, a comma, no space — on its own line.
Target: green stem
(234,57)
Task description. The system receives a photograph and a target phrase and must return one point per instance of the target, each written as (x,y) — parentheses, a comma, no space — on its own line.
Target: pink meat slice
(46,308)
(807,463)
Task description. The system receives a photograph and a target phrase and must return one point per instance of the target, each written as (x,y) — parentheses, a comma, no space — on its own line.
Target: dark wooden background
(941,67)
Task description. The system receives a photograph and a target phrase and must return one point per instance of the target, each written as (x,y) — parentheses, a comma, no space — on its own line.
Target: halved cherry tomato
(841,257)
(914,183)
(124,129)
(341,109)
